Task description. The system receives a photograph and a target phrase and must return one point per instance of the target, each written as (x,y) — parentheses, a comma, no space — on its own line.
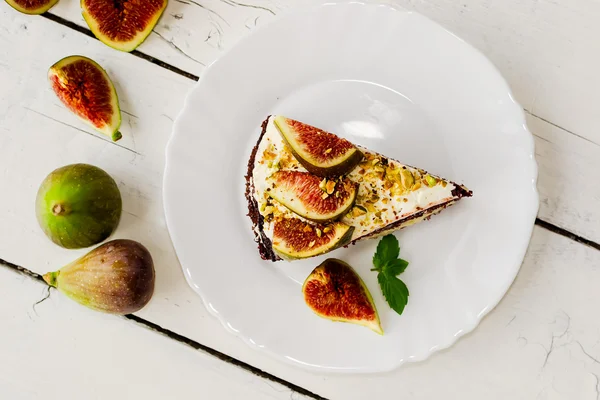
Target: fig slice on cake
(334,291)
(311,197)
(294,238)
(321,153)
(85,88)
(122,24)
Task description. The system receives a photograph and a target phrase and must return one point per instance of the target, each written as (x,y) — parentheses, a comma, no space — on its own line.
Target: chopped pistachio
(318,232)
(330,186)
(268,155)
(417,185)
(328,150)
(408,179)
(357,211)
(431,181)
(323,184)
(269,210)
(327,229)
(311,244)
(307,228)
(324,195)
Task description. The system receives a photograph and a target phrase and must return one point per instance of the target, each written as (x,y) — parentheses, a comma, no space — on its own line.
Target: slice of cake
(310,192)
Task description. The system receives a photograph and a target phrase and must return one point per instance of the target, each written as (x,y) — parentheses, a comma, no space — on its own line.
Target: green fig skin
(78,206)
(116,278)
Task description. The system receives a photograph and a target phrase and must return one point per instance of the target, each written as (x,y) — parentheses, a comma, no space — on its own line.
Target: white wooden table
(541,342)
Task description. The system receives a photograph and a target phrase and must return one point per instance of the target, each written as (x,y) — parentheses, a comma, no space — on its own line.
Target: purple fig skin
(116,277)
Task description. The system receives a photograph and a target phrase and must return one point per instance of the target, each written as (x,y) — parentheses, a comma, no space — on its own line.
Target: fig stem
(58,209)
(116,136)
(51,278)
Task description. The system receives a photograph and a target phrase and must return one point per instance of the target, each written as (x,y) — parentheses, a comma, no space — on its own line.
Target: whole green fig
(78,206)
(116,277)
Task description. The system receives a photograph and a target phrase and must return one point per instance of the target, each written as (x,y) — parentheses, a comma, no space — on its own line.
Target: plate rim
(454,338)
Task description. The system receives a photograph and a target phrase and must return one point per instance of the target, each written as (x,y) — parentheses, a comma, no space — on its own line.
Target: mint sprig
(389,266)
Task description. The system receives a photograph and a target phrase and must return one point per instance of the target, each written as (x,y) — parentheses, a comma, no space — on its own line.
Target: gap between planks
(185,340)
(136,53)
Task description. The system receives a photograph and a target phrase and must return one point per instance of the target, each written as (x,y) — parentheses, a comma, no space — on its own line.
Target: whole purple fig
(116,277)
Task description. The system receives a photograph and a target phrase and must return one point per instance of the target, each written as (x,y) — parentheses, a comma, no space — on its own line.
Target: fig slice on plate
(32,6)
(311,197)
(85,88)
(321,153)
(122,24)
(294,239)
(334,291)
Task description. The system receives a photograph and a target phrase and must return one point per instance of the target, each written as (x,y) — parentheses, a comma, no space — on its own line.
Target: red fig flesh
(312,197)
(85,88)
(32,6)
(116,277)
(122,24)
(321,153)
(295,239)
(335,291)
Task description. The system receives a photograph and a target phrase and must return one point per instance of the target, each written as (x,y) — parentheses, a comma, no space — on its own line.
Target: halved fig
(85,88)
(335,291)
(295,239)
(321,153)
(122,24)
(311,197)
(32,6)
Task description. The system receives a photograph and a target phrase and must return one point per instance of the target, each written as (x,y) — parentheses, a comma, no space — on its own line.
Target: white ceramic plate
(399,84)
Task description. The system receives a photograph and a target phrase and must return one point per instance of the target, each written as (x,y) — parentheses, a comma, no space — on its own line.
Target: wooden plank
(192,33)
(556,275)
(568,179)
(546,49)
(60,350)
(541,342)
(38,134)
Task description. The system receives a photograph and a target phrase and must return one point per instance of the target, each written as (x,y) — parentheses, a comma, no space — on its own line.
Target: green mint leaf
(395,267)
(394,290)
(388,250)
